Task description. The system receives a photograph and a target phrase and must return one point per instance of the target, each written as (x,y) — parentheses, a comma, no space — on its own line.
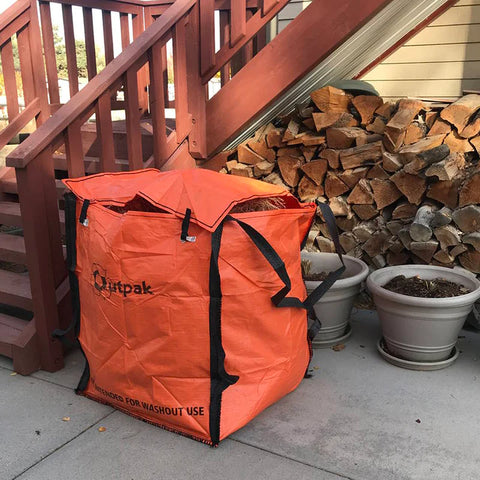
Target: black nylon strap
(70,236)
(332,277)
(83,213)
(185,225)
(280,299)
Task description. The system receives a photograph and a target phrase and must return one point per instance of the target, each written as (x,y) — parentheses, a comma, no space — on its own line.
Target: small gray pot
(421,329)
(334,308)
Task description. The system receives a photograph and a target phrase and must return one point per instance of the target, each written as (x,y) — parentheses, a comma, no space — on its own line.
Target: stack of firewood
(403,179)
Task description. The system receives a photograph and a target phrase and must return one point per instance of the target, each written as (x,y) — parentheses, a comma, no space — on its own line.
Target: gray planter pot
(334,308)
(421,329)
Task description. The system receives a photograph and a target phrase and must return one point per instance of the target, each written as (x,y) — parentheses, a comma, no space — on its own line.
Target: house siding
(439,62)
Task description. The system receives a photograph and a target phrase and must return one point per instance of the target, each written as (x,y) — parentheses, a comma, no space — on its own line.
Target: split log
(445,192)
(420,230)
(361,194)
(242,170)
(470,260)
(426,158)
(263,168)
(415,132)
(230,164)
(397,258)
(404,211)
(379,261)
(377,126)
(386,110)
(397,126)
(440,127)
(289,152)
(312,235)
(424,250)
(366,106)
(391,162)
(467,218)
(339,207)
(248,156)
(274,138)
(365,212)
(347,241)
(430,118)
(332,157)
(292,129)
(289,168)
(457,143)
(475,143)
(325,244)
(405,238)
(352,177)
(372,138)
(472,239)
(343,137)
(378,173)
(395,245)
(470,191)
(298,139)
(458,250)
(275,179)
(441,217)
(330,99)
(334,186)
(364,231)
(473,127)
(409,152)
(394,226)
(412,186)
(346,223)
(376,244)
(444,257)
(359,156)
(448,236)
(384,192)
(260,147)
(308,190)
(316,170)
(448,168)
(460,112)
(332,119)
(308,152)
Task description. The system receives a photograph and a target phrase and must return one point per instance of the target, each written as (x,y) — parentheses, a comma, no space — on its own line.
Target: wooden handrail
(83,101)
(11,13)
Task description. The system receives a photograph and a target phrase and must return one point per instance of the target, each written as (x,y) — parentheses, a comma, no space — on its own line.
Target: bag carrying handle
(280,299)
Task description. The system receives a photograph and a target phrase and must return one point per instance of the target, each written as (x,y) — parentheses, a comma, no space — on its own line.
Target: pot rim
(342,282)
(465,299)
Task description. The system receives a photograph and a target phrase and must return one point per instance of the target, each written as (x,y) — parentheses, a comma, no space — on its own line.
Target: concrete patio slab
(358,415)
(356,419)
(31,426)
(130,449)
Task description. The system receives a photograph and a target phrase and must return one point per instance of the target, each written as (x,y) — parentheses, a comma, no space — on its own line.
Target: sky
(56,12)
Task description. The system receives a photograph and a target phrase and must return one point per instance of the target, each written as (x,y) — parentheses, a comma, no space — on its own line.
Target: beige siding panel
(467,2)
(425,71)
(434,53)
(459,16)
(448,34)
(425,88)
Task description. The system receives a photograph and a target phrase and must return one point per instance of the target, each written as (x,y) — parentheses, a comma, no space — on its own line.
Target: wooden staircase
(80,138)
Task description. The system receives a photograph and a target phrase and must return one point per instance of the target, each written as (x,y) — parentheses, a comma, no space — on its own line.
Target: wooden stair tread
(15,289)
(10,330)
(12,248)
(9,185)
(10,215)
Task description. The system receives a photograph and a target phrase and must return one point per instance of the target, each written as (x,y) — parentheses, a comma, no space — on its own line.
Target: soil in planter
(417,287)
(310,276)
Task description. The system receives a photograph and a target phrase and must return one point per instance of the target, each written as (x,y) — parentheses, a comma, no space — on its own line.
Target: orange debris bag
(187,290)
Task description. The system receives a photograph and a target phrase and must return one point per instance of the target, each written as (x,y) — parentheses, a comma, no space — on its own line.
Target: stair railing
(20,23)
(33,159)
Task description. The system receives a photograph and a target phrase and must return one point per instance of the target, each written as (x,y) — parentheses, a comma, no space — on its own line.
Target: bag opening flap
(209,195)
